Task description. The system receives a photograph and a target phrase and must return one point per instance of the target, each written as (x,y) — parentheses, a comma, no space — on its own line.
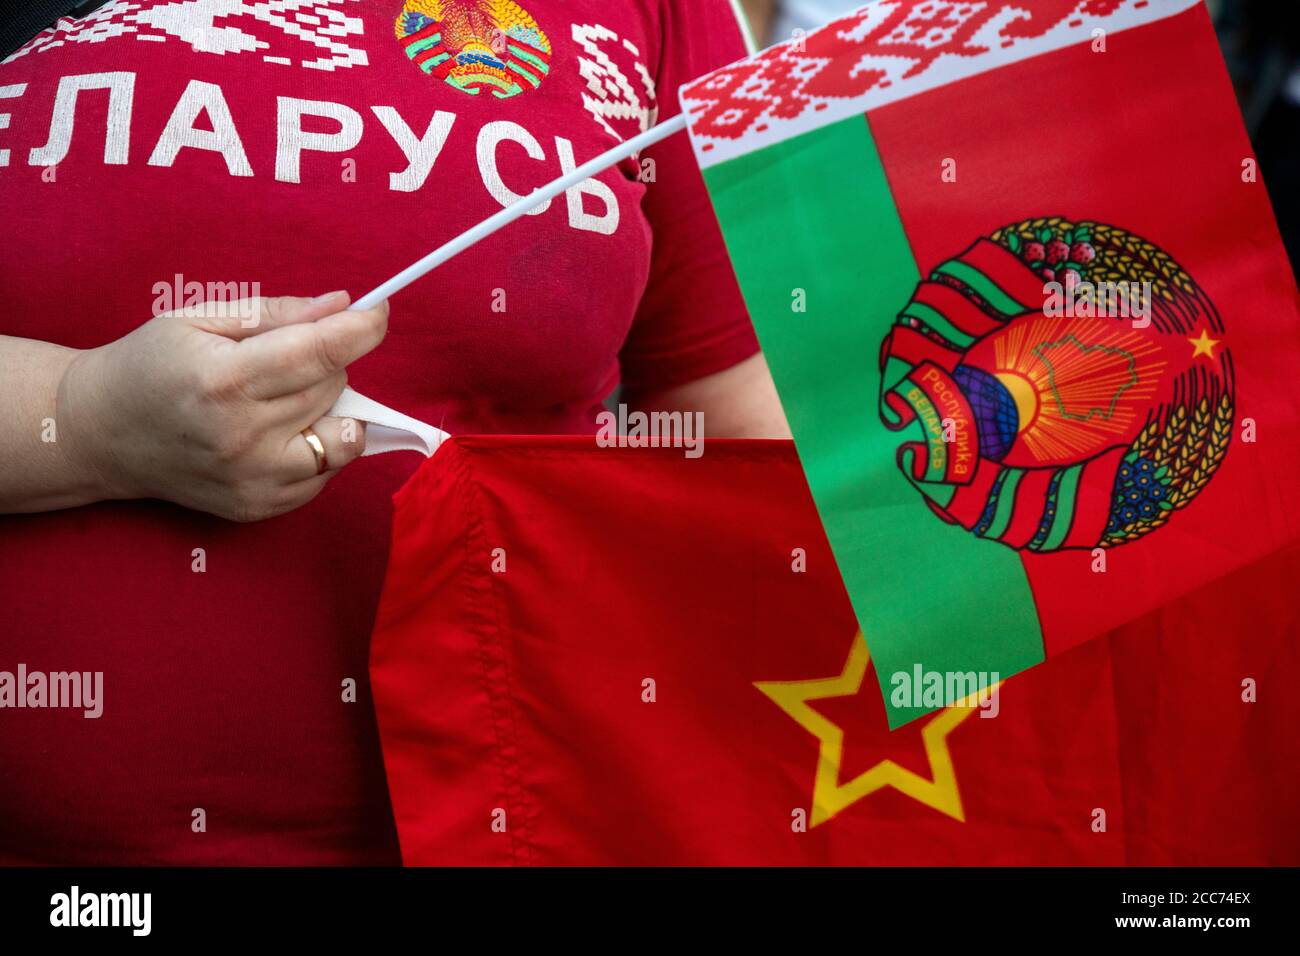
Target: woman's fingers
(298,493)
(245,318)
(202,413)
(297,410)
(341,440)
(290,358)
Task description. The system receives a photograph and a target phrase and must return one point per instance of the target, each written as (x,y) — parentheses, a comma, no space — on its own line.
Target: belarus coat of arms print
(1069,382)
(476,45)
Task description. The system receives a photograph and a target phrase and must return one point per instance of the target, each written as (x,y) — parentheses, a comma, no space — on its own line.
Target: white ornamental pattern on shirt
(622,108)
(316,30)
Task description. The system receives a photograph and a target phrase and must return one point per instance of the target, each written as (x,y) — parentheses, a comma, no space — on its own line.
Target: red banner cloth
(590,655)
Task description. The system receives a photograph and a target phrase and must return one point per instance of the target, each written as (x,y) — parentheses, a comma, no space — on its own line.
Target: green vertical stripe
(925,592)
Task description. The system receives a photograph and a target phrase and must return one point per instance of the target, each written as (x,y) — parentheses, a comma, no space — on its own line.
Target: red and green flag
(1024,299)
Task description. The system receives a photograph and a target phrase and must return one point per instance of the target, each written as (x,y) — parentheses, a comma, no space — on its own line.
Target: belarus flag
(1026,305)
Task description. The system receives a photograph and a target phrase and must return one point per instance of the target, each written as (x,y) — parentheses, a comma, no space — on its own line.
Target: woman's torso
(224,688)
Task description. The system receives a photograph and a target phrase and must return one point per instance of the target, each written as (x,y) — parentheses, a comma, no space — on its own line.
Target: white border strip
(948,68)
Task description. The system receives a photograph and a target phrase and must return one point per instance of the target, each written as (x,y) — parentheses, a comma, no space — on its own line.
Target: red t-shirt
(307,147)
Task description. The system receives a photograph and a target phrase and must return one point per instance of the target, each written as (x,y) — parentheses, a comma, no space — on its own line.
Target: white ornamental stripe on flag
(313,22)
(909,46)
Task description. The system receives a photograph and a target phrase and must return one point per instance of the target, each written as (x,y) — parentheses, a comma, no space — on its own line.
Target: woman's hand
(206,407)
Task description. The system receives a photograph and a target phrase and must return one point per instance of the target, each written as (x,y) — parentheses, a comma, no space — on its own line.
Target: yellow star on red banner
(830,796)
(1204,345)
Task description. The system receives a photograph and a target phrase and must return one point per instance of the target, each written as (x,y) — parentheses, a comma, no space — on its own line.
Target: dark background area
(1261,43)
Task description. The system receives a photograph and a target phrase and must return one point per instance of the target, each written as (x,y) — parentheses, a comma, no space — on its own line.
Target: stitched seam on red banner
(493,657)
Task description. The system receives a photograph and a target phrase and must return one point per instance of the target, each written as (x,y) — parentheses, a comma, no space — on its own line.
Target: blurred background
(1261,44)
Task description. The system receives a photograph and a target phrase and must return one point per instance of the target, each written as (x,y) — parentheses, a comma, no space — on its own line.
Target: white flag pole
(390,430)
(520,208)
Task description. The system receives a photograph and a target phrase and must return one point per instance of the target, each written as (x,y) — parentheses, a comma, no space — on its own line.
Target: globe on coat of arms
(1058,385)
(475,45)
